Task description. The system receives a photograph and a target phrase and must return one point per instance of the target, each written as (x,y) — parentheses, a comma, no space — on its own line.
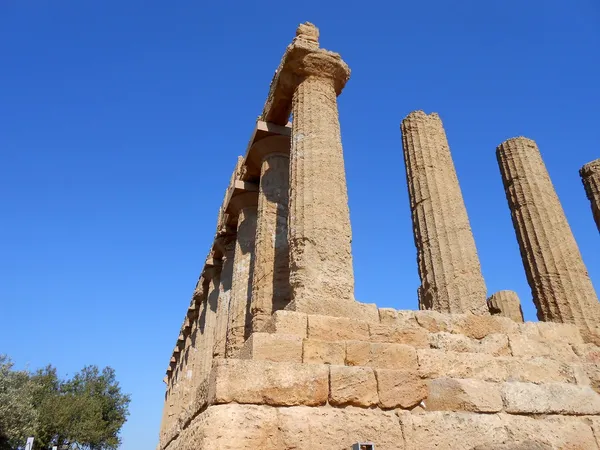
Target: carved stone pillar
(507,304)
(321,273)
(208,316)
(451,279)
(590,175)
(241,287)
(271,276)
(222,318)
(561,287)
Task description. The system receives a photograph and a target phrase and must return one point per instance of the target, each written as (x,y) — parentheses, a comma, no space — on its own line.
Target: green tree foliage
(17,413)
(84,412)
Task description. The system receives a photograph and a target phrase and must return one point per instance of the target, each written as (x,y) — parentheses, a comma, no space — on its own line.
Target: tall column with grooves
(451,279)
(222,318)
(561,287)
(590,175)
(209,313)
(321,273)
(241,286)
(271,276)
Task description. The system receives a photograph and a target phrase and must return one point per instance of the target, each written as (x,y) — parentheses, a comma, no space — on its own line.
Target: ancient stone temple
(274,351)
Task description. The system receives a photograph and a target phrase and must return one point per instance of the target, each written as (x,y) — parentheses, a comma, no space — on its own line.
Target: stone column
(451,279)
(222,318)
(208,317)
(271,276)
(241,286)
(590,175)
(321,273)
(507,304)
(561,287)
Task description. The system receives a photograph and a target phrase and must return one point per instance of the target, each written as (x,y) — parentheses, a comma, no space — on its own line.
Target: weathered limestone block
(481,366)
(550,398)
(416,337)
(448,394)
(241,286)
(399,388)
(561,287)
(494,344)
(354,386)
(323,352)
(590,176)
(329,328)
(251,427)
(208,319)
(288,322)
(451,279)
(559,332)
(272,347)
(271,276)
(507,304)
(269,383)
(381,356)
(532,347)
(471,431)
(451,430)
(223,301)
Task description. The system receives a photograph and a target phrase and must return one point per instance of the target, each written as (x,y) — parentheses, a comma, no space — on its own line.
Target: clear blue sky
(120,123)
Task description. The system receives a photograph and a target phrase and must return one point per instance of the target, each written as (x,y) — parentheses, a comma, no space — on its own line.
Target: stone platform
(411,380)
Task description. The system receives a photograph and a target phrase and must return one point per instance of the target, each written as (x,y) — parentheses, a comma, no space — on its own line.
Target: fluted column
(590,176)
(451,279)
(507,304)
(321,273)
(561,287)
(271,275)
(208,316)
(241,287)
(222,318)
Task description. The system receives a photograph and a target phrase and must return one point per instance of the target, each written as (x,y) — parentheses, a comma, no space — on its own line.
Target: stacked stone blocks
(275,353)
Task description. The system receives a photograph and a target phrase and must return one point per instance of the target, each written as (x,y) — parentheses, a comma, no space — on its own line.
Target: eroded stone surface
(561,287)
(451,279)
(590,176)
(507,304)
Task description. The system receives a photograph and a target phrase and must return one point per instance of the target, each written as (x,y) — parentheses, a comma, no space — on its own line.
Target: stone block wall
(411,380)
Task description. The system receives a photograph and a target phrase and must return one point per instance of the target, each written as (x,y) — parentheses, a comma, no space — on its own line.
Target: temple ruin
(590,176)
(276,353)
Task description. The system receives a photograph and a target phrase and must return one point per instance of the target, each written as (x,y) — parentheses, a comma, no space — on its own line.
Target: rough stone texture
(507,304)
(550,398)
(288,322)
(321,274)
(250,427)
(470,431)
(323,352)
(272,347)
(222,318)
(590,176)
(241,287)
(561,287)
(381,356)
(534,347)
(276,384)
(399,388)
(451,279)
(336,329)
(448,394)
(416,337)
(354,386)
(270,286)
(481,366)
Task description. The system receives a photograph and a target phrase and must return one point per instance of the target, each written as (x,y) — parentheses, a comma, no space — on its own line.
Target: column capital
(590,168)
(303,58)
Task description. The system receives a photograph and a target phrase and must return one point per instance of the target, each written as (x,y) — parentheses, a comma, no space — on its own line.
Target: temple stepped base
(412,380)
